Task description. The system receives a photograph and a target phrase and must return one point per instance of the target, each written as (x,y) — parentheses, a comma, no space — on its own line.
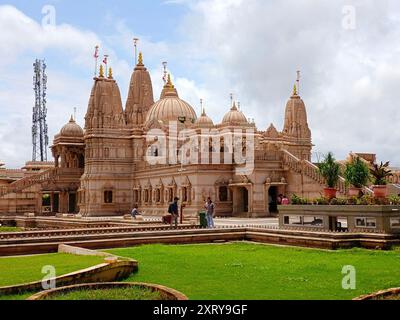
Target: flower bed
(365,200)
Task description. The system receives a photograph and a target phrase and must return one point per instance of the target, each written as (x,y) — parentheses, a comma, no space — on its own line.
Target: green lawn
(19,270)
(110,294)
(256,271)
(10,229)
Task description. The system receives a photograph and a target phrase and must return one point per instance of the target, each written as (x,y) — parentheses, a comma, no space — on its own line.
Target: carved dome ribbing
(234,116)
(72,130)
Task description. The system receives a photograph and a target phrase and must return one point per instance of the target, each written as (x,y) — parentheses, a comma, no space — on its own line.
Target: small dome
(171,108)
(72,129)
(204,120)
(234,116)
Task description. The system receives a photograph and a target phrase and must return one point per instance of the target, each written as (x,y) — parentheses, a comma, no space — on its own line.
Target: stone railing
(310,170)
(88,231)
(47,175)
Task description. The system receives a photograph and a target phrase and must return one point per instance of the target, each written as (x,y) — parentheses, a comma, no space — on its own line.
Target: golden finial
(295,90)
(140,58)
(234,108)
(169,82)
(101,71)
(110,73)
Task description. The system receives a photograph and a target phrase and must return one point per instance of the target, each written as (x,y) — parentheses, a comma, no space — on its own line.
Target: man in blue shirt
(174,211)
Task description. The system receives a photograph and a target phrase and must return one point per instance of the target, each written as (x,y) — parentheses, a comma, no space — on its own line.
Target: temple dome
(204,120)
(171,108)
(234,116)
(72,130)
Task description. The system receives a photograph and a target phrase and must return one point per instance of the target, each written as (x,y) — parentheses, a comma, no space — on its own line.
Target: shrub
(296,200)
(394,200)
(352,200)
(330,170)
(356,173)
(338,202)
(380,173)
(321,201)
(366,200)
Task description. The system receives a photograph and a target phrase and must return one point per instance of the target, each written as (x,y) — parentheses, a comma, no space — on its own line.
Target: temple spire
(110,73)
(295,90)
(203,110)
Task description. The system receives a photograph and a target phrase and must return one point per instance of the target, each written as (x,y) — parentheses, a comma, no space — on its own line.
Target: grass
(255,271)
(133,293)
(19,270)
(10,229)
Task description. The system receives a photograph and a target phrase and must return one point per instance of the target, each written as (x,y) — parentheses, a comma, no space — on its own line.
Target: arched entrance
(241,201)
(273,200)
(271,194)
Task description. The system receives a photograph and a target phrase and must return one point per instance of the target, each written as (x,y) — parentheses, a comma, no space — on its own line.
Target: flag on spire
(96,52)
(165,72)
(105,61)
(96,58)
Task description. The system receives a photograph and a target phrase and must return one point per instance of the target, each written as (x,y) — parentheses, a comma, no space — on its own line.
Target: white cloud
(21,40)
(349,77)
(251,48)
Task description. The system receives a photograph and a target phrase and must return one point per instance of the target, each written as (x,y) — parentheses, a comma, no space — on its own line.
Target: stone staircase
(48,175)
(28,182)
(310,170)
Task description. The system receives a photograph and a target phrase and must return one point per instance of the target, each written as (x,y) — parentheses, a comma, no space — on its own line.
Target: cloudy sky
(348,53)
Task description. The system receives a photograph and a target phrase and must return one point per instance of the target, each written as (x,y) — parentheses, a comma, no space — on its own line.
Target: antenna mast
(40,139)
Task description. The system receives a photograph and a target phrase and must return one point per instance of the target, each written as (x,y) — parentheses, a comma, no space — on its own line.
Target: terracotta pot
(380,191)
(354,192)
(330,193)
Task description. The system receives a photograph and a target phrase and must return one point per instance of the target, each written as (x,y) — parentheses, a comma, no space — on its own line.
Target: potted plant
(380,173)
(356,174)
(330,169)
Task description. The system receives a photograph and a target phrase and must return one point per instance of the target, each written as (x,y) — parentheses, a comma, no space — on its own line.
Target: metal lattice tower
(40,139)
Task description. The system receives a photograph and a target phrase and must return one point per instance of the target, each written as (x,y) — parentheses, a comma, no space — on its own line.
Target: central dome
(171,108)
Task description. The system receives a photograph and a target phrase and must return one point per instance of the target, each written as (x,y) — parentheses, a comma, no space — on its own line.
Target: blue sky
(159,19)
(251,48)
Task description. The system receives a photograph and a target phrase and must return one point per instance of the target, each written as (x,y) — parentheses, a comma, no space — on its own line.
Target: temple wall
(302,186)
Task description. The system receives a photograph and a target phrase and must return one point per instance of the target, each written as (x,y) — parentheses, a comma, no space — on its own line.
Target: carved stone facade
(120,159)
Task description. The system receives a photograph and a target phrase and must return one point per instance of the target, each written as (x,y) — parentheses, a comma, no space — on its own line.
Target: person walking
(210,207)
(174,211)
